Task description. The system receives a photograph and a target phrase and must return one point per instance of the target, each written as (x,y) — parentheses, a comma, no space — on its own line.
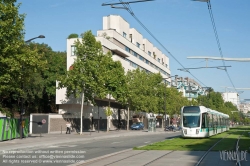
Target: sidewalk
(35,140)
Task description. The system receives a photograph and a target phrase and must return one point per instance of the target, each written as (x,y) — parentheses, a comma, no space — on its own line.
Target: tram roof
(205,109)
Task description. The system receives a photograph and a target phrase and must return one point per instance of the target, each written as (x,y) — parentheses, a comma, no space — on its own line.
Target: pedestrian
(68,125)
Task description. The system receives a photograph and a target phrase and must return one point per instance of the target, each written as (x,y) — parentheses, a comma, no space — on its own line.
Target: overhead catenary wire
(128,8)
(217,40)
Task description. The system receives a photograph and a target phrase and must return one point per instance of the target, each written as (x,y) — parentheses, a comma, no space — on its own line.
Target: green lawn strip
(244,143)
(227,143)
(184,144)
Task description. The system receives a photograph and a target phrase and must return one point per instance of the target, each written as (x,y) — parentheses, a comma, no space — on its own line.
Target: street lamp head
(41,36)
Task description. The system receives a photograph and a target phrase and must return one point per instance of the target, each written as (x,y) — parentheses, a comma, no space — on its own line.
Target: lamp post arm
(40,36)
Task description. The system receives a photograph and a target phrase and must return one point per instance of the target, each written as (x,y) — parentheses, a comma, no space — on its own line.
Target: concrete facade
(232,97)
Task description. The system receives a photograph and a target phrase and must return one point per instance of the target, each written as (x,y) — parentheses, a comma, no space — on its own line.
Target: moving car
(137,126)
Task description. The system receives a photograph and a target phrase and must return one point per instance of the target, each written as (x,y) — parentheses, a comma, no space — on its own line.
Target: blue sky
(182,26)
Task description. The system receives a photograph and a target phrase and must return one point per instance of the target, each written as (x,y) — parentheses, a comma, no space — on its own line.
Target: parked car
(137,126)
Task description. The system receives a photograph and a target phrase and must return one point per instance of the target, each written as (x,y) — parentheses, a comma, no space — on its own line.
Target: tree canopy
(73,35)
(17,62)
(28,71)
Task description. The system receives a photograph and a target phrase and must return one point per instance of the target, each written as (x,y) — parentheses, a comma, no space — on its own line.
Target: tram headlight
(185,131)
(197,131)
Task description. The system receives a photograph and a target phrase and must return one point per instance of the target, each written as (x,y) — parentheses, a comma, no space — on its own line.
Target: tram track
(125,158)
(205,154)
(209,150)
(151,162)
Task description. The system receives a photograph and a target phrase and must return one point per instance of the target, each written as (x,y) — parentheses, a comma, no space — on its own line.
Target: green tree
(73,35)
(142,90)
(41,90)
(17,62)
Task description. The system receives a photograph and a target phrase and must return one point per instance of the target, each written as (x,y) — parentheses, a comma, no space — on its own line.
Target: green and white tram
(199,122)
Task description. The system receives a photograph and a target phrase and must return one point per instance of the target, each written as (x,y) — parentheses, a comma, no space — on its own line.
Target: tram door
(151,124)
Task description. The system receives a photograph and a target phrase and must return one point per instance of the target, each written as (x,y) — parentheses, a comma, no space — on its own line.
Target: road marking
(146,142)
(62,146)
(53,146)
(115,142)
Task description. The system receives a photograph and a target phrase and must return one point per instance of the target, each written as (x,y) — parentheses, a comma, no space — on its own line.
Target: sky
(183,27)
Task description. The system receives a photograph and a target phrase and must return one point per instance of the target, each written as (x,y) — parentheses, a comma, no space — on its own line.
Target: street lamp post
(22,112)
(166,98)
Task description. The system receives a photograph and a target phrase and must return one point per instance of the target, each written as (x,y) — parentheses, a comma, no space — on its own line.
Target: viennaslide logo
(234,155)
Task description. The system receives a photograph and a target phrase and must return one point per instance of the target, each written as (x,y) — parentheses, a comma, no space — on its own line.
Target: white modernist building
(129,47)
(232,97)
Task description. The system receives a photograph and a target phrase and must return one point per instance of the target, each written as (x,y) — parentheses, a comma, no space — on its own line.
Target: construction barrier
(10,128)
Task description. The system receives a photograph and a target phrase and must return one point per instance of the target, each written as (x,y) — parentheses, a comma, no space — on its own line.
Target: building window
(141,58)
(73,50)
(134,65)
(130,36)
(159,60)
(124,34)
(147,62)
(166,65)
(154,55)
(143,47)
(133,53)
(127,49)
(149,53)
(137,44)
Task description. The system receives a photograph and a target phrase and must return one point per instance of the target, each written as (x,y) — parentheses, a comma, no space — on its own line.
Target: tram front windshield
(192,120)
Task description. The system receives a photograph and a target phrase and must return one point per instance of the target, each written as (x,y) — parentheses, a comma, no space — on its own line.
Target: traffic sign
(43,121)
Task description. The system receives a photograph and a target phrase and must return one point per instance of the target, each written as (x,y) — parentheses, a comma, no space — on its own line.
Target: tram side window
(219,120)
(210,122)
(215,118)
(204,122)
